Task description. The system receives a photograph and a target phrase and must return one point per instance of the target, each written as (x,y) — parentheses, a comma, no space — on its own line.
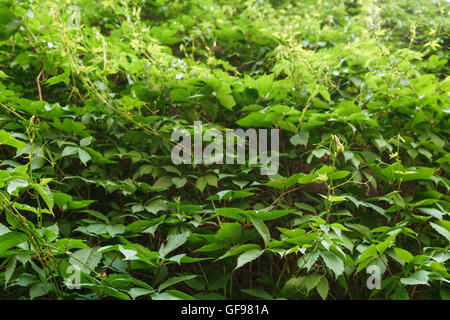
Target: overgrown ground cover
(92,206)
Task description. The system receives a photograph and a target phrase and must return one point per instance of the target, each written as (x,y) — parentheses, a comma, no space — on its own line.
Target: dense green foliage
(90,92)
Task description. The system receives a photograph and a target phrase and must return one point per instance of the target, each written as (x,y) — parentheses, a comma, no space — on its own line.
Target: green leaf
(138,292)
(441,230)
(112,292)
(156,206)
(254,119)
(201,183)
(324,93)
(39,290)
(333,262)
(66,244)
(419,277)
(418,174)
(400,293)
(211,180)
(68,151)
(175,280)
(115,229)
(319,153)
(8,139)
(229,232)
(178,295)
(301,138)
(361,229)
(382,246)
(163,183)
(404,254)
(9,24)
(128,253)
(10,269)
(179,95)
(432,212)
(15,184)
(3,74)
(84,156)
(293,287)
(86,259)
(239,249)
(312,280)
(339,174)
(262,229)
(322,288)
(273,215)
(227,100)
(179,182)
(264,84)
(85,141)
(71,126)
(308,260)
(367,256)
(307,178)
(232,213)
(45,194)
(11,239)
(258,293)
(248,256)
(173,241)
